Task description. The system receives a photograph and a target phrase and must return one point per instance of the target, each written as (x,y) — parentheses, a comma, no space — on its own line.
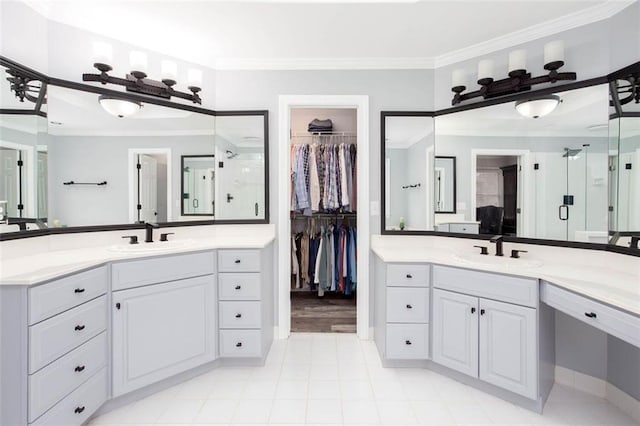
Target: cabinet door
(161,330)
(508,347)
(455,331)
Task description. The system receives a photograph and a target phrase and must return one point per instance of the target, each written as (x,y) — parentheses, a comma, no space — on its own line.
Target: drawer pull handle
(238,287)
(473,310)
(409,307)
(407,342)
(590,314)
(481,311)
(79,410)
(79,327)
(238,315)
(409,276)
(239,345)
(79,368)
(237,261)
(79,290)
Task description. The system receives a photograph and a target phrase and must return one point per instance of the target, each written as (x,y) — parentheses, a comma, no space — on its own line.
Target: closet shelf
(295,215)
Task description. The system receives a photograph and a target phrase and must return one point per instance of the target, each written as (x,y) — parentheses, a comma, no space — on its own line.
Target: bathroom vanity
(85,326)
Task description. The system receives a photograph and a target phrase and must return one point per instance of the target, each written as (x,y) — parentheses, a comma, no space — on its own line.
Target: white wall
(24,35)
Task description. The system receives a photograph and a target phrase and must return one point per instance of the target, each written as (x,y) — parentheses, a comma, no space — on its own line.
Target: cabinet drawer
(520,291)
(56,336)
(464,228)
(161,269)
(239,260)
(239,286)
(240,343)
(407,304)
(408,275)
(76,408)
(57,296)
(613,321)
(240,315)
(61,377)
(407,341)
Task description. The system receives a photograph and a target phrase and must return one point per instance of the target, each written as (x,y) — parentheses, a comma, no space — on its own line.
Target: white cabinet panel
(239,260)
(50,339)
(239,286)
(57,296)
(407,305)
(407,275)
(407,341)
(235,314)
(161,330)
(455,331)
(508,347)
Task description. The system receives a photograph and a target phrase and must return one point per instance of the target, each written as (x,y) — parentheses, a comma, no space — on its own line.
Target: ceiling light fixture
(137,81)
(519,79)
(628,89)
(119,107)
(25,87)
(538,107)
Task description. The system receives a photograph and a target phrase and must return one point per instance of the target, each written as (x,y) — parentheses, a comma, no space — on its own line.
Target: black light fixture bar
(138,82)
(518,81)
(22,85)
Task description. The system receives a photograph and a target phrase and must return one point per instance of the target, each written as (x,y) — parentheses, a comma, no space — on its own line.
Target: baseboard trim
(598,387)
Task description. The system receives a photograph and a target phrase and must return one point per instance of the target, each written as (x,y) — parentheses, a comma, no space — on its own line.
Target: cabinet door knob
(237,261)
(118,305)
(79,368)
(79,410)
(409,276)
(409,307)
(473,310)
(79,290)
(238,287)
(590,314)
(79,327)
(407,342)
(239,345)
(238,315)
(481,311)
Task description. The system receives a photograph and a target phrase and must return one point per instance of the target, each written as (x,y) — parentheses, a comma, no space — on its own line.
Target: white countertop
(33,260)
(607,277)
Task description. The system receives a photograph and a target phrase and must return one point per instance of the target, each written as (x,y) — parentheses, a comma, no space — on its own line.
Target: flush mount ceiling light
(137,81)
(518,80)
(119,107)
(538,107)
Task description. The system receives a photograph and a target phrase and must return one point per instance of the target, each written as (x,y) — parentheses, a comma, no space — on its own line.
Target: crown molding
(574,20)
(296,64)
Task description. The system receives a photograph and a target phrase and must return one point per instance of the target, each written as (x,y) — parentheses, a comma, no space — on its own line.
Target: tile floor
(338,379)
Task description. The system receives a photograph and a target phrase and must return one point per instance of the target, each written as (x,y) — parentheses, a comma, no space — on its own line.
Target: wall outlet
(375,208)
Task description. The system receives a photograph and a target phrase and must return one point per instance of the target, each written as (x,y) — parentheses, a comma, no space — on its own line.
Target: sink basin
(157,246)
(497,261)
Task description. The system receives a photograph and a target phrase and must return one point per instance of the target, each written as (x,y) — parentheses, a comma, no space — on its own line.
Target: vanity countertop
(49,260)
(607,277)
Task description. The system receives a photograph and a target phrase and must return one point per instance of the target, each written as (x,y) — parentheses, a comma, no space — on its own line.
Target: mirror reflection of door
(445,185)
(497,194)
(10,180)
(41,176)
(151,188)
(198,178)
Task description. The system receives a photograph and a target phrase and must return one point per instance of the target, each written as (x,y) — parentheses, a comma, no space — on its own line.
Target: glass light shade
(536,108)
(485,69)
(102,53)
(169,70)
(138,61)
(518,60)
(119,107)
(458,78)
(554,52)
(194,77)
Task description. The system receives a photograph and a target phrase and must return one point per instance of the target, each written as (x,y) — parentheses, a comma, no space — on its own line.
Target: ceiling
(233,34)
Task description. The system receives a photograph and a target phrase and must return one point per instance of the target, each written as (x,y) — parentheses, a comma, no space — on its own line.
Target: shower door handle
(195,203)
(229,198)
(566,210)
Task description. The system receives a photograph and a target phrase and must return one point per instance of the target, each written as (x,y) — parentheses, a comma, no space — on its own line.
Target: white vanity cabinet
(477,334)
(162,328)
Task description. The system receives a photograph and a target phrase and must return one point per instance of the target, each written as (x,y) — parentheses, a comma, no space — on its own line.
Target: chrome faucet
(497,239)
(148,231)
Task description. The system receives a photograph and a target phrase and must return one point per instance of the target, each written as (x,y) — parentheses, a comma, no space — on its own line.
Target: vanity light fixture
(537,107)
(137,81)
(24,87)
(119,107)
(628,89)
(518,80)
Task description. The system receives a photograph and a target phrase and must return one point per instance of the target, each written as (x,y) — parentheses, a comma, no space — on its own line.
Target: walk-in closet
(324,203)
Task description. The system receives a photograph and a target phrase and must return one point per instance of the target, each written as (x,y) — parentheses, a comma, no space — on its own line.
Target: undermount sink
(497,261)
(157,246)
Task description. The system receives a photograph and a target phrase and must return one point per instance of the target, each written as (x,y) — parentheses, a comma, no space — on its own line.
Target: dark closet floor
(330,313)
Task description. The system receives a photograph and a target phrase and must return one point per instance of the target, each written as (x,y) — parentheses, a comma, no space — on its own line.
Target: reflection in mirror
(240,177)
(408,172)
(198,173)
(445,185)
(535,178)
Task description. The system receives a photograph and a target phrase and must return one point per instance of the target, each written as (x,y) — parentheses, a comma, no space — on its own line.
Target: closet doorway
(323,152)
(326,289)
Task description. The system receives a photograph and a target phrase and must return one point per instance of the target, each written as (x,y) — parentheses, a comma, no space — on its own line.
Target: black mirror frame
(52,81)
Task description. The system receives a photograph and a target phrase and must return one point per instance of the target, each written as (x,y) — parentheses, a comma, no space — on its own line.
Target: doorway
(150,185)
(286,105)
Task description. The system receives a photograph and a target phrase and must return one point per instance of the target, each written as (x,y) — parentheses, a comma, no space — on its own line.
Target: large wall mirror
(74,164)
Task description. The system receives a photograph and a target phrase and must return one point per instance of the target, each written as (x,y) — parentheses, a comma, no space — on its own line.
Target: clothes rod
(312,134)
(104,182)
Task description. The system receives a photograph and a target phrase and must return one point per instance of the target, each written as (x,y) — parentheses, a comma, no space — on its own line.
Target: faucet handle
(163,237)
(483,249)
(516,253)
(133,239)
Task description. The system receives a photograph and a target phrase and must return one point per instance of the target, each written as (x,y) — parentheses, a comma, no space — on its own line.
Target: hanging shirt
(344,195)
(314,183)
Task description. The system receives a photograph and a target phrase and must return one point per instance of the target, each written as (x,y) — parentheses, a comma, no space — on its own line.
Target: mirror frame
(100,90)
(455,181)
(495,101)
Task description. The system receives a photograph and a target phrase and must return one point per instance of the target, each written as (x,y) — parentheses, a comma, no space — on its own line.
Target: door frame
(29,197)
(131,164)
(286,103)
(524,223)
